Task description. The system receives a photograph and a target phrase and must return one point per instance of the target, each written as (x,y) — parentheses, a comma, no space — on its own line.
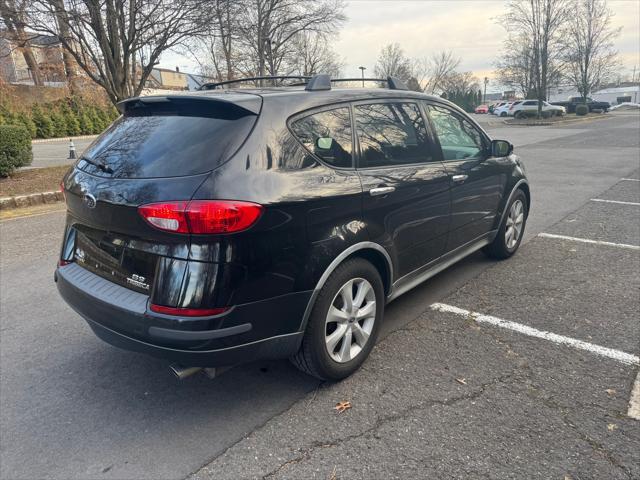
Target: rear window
(169,140)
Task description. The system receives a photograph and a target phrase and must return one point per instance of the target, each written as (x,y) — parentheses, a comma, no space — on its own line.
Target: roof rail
(214,85)
(313,83)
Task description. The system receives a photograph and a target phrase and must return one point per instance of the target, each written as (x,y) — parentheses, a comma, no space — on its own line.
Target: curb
(62,139)
(543,123)
(20,201)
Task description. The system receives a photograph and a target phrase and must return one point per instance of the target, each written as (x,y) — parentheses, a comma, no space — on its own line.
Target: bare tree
(268,27)
(13,14)
(392,62)
(436,70)
(315,55)
(70,66)
(590,54)
(515,66)
(541,22)
(116,42)
(220,40)
(463,83)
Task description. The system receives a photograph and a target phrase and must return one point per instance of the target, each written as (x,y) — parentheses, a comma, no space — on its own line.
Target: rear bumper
(258,330)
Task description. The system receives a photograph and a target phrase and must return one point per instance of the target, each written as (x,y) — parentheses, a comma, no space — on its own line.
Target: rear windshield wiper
(102,166)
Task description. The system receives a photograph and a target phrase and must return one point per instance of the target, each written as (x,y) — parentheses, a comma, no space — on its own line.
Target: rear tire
(324,352)
(511,230)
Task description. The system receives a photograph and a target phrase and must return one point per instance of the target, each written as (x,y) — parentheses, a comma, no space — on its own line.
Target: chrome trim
(334,264)
(459,178)
(381,191)
(415,278)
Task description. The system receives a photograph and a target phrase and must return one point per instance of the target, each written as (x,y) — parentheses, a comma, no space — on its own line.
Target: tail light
(201,216)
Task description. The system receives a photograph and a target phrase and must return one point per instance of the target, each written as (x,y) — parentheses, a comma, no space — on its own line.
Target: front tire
(511,230)
(344,323)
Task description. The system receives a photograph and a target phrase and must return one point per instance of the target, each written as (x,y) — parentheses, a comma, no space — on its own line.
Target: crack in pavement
(381,421)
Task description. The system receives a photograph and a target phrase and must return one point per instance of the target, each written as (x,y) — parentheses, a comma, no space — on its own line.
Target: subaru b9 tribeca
(218,227)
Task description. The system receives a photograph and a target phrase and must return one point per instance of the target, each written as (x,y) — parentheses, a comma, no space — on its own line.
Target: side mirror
(501,148)
(324,143)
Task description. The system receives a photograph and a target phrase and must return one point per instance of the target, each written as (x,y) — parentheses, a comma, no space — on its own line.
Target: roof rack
(214,85)
(313,83)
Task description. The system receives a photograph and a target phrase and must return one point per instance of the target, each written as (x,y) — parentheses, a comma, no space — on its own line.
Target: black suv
(218,227)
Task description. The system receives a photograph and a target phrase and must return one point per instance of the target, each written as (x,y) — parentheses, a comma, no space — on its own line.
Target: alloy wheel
(515,221)
(350,320)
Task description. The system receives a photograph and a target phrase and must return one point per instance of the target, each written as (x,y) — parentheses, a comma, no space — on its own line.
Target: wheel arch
(521,184)
(370,251)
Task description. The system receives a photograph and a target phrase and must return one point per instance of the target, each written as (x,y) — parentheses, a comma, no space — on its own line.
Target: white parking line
(634,401)
(615,201)
(587,240)
(622,357)
(631,179)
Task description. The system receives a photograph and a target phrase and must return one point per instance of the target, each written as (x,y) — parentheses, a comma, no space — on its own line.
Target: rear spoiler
(250,104)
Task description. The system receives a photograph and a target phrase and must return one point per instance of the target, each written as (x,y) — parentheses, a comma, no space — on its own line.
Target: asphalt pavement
(442,395)
(55,152)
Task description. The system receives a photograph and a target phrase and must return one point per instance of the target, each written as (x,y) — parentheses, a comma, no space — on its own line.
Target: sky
(469,28)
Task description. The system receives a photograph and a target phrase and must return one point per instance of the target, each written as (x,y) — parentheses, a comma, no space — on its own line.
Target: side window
(391,134)
(458,138)
(328,135)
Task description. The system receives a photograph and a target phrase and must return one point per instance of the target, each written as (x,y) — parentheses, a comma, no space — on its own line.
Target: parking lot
(518,369)
(524,372)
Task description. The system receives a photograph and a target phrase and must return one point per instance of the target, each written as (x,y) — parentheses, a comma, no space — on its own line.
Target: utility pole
(484,98)
(362,69)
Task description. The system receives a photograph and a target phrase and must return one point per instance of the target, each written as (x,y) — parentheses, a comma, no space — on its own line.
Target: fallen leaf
(567,477)
(611,427)
(461,381)
(610,391)
(342,406)
(333,474)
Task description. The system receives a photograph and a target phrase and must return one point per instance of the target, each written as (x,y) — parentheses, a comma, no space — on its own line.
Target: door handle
(459,178)
(381,191)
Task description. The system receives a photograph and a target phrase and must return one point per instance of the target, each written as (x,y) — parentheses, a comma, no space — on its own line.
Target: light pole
(484,98)
(362,69)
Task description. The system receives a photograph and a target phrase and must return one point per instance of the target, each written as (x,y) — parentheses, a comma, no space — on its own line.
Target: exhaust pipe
(184,372)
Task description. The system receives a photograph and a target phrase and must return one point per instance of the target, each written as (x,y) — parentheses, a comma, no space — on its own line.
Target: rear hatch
(160,149)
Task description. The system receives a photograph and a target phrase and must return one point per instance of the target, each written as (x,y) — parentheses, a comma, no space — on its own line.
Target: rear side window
(391,134)
(169,140)
(327,135)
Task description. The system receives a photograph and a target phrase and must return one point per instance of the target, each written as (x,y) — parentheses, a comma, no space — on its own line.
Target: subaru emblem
(89,200)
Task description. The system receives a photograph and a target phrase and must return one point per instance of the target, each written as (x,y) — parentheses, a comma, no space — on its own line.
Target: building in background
(47,52)
(614,94)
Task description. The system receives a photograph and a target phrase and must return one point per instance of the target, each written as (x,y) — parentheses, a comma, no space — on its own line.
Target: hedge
(63,118)
(15,148)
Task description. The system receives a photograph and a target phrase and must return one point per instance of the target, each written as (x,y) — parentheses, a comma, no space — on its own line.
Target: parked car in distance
(570,105)
(495,105)
(218,227)
(502,110)
(482,109)
(528,108)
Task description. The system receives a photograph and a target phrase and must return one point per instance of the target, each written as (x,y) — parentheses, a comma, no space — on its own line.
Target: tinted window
(169,142)
(530,102)
(391,134)
(328,135)
(458,138)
